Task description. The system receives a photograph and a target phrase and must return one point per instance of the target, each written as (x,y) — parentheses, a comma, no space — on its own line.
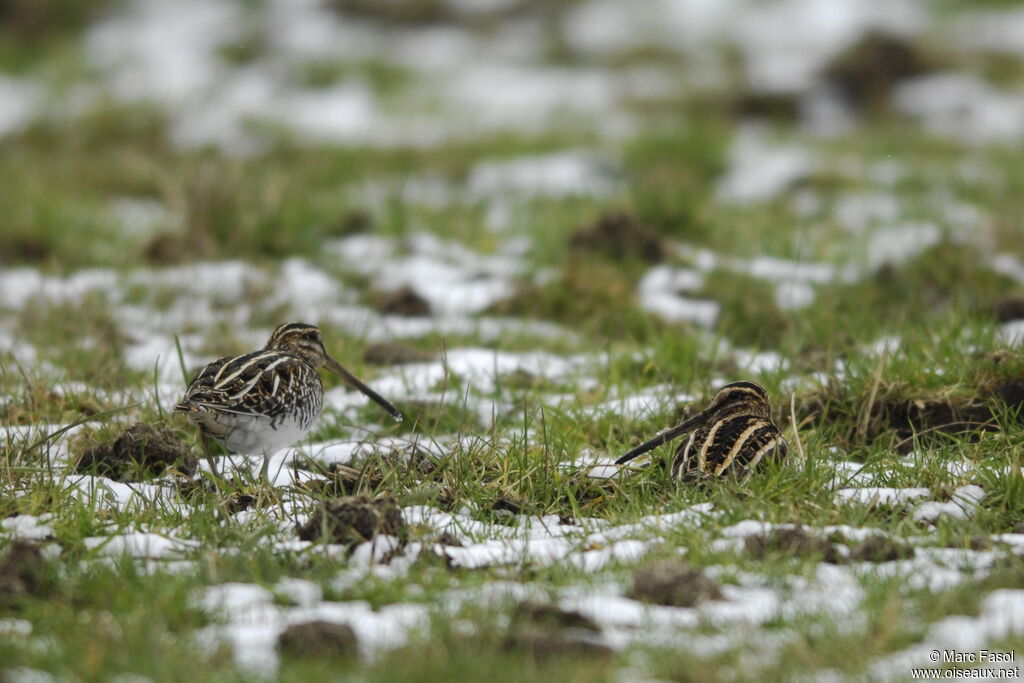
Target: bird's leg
(263,470)
(204,444)
(212,459)
(269,494)
(222,500)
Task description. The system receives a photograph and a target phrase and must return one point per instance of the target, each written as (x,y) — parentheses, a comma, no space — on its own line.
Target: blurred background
(787,173)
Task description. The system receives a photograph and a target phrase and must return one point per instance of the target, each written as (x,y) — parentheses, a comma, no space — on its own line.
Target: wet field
(545,231)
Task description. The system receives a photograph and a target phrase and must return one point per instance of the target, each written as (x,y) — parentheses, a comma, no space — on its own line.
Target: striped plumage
(732,435)
(261,402)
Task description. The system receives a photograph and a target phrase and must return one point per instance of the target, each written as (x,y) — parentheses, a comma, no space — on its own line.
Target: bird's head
(739,398)
(306,342)
(302,340)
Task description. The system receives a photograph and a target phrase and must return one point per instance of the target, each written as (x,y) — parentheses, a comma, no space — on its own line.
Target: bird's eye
(312,336)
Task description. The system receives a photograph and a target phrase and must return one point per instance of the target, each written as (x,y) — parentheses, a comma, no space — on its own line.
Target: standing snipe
(732,434)
(261,402)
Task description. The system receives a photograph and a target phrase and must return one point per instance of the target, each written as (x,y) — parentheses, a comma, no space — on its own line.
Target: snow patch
(759,170)
(965,501)
(19,101)
(880,495)
(659,293)
(561,174)
(141,545)
(29,527)
(899,244)
(963,107)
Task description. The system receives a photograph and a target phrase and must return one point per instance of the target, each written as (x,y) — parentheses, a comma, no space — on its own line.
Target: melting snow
(142,216)
(792,296)
(651,401)
(141,545)
(760,171)
(497,96)
(964,502)
(963,107)
(18,103)
(858,211)
(1012,333)
(560,174)
(993,31)
(28,527)
(123,496)
(895,245)
(170,55)
(879,495)
(482,369)
(659,292)
(18,286)
(453,279)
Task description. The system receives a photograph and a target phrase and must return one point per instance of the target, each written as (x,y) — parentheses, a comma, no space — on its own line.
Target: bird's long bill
(664,437)
(335,367)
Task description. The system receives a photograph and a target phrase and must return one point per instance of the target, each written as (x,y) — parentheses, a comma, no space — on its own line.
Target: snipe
(732,435)
(261,402)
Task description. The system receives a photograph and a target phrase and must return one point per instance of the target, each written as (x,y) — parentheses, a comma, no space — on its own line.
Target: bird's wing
(259,383)
(740,441)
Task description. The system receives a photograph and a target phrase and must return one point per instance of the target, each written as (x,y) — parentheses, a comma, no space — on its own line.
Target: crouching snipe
(266,400)
(733,434)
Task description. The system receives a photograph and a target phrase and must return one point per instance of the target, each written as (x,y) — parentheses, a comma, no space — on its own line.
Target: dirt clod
(878,548)
(318,640)
(778,106)
(673,583)
(449,539)
(354,519)
(620,235)
(980,543)
(794,542)
(31,20)
(140,452)
(352,223)
(1009,308)
(543,643)
(867,72)
(19,248)
(507,504)
(523,379)
(1011,392)
(165,248)
(395,354)
(552,615)
(914,419)
(545,630)
(416,460)
(971,543)
(404,301)
(21,572)
(239,502)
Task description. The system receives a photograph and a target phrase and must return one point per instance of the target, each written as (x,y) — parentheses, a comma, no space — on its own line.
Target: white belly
(254,435)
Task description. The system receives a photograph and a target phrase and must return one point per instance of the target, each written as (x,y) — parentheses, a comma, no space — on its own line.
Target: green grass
(950,392)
